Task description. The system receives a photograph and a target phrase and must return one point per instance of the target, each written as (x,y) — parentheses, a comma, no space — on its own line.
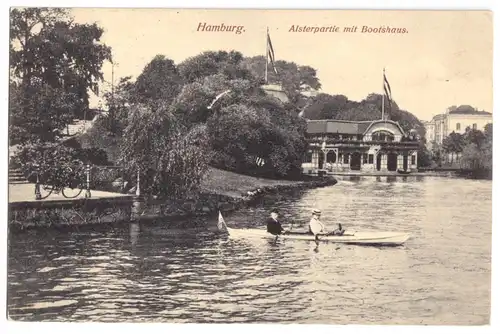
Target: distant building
(454,121)
(365,146)
(276,91)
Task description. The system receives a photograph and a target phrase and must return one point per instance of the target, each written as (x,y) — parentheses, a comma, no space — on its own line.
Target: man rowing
(316,227)
(273,225)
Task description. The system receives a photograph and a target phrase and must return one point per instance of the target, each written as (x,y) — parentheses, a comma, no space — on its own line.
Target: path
(25,192)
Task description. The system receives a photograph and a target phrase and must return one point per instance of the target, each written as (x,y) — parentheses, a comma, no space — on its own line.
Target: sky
(444,59)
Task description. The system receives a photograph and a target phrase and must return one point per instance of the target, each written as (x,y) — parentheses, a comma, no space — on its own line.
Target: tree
(50,55)
(478,151)
(453,144)
(436,153)
(325,106)
(38,112)
(171,160)
(119,102)
(159,82)
(242,133)
(214,62)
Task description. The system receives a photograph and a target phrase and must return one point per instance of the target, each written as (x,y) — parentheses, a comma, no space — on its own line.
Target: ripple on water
(112,275)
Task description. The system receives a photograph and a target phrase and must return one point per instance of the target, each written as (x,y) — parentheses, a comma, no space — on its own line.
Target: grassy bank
(235,185)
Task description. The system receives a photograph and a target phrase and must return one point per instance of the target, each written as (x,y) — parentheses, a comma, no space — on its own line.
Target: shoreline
(34,214)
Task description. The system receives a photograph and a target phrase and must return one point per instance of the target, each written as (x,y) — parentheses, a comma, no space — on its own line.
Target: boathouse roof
(324,126)
(337,126)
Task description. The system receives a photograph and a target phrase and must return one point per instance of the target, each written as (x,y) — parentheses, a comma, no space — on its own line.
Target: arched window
(382,136)
(331,157)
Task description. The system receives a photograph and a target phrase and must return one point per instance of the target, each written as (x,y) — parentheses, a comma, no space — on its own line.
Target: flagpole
(383,95)
(267,52)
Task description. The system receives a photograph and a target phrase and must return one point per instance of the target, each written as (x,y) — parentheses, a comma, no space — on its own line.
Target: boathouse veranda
(359,146)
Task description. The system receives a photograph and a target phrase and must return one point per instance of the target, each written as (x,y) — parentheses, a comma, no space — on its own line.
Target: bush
(55,164)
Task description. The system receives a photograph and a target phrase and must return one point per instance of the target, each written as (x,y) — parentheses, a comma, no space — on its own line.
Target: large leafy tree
(38,112)
(159,83)
(214,62)
(50,53)
(171,159)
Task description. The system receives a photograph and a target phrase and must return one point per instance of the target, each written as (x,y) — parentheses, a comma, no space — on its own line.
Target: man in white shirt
(316,227)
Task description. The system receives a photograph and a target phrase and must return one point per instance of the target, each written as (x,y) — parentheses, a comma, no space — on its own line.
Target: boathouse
(360,146)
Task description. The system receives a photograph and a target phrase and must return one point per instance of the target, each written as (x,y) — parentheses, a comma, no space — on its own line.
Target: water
(148,273)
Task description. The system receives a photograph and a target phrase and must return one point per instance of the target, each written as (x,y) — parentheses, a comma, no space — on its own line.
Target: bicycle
(68,181)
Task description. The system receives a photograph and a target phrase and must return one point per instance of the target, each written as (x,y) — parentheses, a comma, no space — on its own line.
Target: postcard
(250,166)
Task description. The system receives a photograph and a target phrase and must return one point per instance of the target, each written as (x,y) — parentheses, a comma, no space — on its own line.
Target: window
(370,158)
(474,126)
(458,126)
(365,158)
(308,157)
(346,158)
(413,159)
(382,136)
(331,157)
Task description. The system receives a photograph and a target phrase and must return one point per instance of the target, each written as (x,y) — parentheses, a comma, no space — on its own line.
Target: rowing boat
(360,238)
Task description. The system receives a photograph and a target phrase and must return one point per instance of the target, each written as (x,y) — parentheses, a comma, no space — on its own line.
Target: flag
(388,93)
(270,52)
(260,162)
(221,223)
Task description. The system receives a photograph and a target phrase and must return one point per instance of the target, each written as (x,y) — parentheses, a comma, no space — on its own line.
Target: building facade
(366,146)
(443,125)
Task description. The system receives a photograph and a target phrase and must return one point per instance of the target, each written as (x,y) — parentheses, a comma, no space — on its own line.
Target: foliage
(38,112)
(172,161)
(240,134)
(453,144)
(325,106)
(55,164)
(168,103)
(54,62)
(478,151)
(424,156)
(158,83)
(99,137)
(118,102)
(214,62)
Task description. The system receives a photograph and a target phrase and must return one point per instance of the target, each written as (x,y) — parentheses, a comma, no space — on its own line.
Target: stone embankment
(210,203)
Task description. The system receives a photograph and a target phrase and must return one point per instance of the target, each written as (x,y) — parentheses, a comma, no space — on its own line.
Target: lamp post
(38,195)
(138,188)
(87,190)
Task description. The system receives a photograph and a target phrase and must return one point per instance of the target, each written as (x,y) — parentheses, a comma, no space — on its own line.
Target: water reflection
(151,272)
